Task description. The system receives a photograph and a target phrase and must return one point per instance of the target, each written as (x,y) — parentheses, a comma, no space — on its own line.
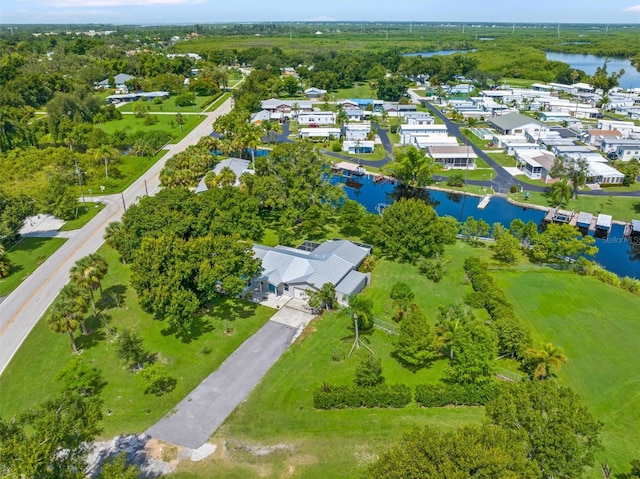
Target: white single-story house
(314,92)
(500,141)
(287,108)
(611,145)
(356,114)
(512,147)
(356,131)
(425,141)
(358,146)
(555,116)
(120,79)
(453,156)
(237,165)
(514,124)
(628,151)
(418,118)
(603,174)
(624,127)
(130,97)
(294,272)
(595,137)
(319,134)
(317,118)
(407,132)
(536,164)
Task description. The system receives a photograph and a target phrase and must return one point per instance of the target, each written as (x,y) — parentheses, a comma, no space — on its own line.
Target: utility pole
(79,173)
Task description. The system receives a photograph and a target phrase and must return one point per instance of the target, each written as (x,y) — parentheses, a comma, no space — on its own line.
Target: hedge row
(338,397)
(595,270)
(441,394)
(513,336)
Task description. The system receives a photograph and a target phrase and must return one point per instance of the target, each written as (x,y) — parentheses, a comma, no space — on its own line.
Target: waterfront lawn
(128,170)
(84,216)
(25,258)
(479,174)
(28,379)
(598,328)
(130,124)
(336,443)
(622,208)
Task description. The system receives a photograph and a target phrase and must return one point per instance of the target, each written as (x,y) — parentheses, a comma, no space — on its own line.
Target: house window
(286,287)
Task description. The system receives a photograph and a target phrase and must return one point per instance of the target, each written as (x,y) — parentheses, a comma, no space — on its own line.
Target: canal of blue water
(615,252)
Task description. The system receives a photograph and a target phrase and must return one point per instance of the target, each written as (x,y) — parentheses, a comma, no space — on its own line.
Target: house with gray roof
(237,165)
(294,271)
(120,79)
(514,124)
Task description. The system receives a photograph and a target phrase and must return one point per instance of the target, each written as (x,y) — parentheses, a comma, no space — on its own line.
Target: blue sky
(212,11)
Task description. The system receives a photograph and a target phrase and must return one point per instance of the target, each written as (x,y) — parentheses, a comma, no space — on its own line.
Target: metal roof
(512,120)
(584,218)
(604,221)
(330,262)
(352,283)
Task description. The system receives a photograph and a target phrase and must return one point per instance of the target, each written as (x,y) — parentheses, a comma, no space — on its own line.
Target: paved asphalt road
(204,410)
(20,311)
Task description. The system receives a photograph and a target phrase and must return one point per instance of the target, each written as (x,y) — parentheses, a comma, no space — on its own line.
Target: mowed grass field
(308,443)
(599,328)
(130,124)
(29,379)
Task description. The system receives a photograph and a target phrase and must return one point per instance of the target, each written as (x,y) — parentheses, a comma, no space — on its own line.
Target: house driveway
(194,420)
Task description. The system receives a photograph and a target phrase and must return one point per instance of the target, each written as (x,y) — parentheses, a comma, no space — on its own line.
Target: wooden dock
(556,215)
(484,202)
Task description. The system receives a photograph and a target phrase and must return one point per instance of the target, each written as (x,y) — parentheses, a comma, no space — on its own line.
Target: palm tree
(86,275)
(76,300)
(252,137)
(561,192)
(105,154)
(447,331)
(65,318)
(101,267)
(226,177)
(549,356)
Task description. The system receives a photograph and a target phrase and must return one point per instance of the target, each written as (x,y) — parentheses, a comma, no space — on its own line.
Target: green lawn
(84,216)
(480,174)
(122,175)
(25,258)
(598,327)
(218,102)
(169,105)
(28,380)
(130,123)
(622,208)
(503,159)
(377,155)
(336,443)
(359,90)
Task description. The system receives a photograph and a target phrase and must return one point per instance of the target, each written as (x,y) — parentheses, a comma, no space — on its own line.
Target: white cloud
(634,9)
(114,3)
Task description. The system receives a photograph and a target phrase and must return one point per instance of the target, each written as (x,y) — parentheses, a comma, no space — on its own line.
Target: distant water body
(589,64)
(432,54)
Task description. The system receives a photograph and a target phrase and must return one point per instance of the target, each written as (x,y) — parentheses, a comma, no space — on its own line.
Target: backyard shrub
(336,147)
(156,380)
(457,179)
(432,268)
(338,397)
(444,394)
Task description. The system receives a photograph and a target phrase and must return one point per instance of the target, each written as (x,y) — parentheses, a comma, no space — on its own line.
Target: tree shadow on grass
(95,336)
(28,243)
(225,308)
(113,297)
(199,325)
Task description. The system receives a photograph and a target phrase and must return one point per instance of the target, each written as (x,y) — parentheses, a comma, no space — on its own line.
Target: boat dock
(556,215)
(484,202)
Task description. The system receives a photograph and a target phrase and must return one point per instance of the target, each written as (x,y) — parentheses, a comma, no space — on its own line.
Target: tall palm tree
(65,318)
(106,155)
(561,192)
(252,137)
(549,356)
(84,274)
(101,268)
(76,300)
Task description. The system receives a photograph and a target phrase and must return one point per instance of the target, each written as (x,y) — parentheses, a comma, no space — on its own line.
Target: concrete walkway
(202,412)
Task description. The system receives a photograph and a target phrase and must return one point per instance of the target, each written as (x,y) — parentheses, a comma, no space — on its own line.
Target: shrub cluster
(338,397)
(595,270)
(513,336)
(444,394)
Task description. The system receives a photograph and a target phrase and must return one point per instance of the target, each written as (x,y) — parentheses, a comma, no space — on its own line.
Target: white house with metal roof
(237,165)
(295,272)
(514,124)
